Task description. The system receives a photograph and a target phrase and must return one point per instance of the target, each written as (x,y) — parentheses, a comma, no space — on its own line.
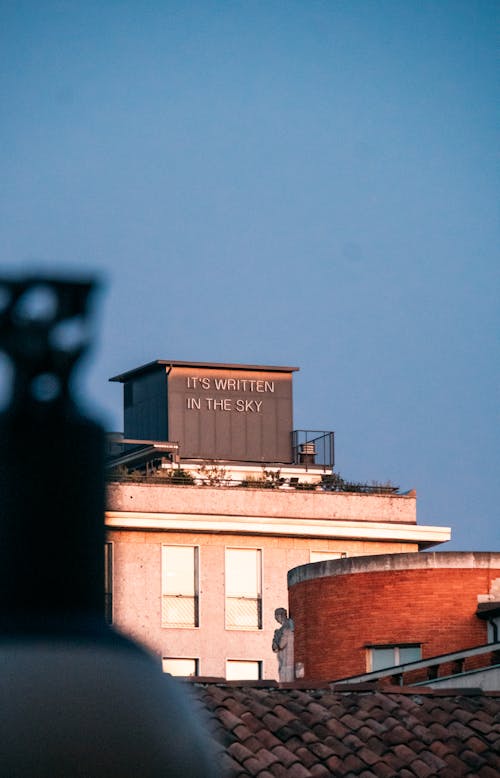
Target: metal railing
(313,447)
(431,665)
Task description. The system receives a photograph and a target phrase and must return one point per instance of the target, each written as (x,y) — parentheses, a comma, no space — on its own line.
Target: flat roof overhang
(425,537)
(488,610)
(149,366)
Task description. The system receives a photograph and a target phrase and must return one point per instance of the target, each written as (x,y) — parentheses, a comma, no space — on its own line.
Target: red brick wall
(336,616)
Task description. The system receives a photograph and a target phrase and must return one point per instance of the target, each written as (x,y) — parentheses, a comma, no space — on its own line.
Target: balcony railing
(313,447)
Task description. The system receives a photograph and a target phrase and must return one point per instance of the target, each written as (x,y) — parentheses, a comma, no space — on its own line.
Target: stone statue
(283,645)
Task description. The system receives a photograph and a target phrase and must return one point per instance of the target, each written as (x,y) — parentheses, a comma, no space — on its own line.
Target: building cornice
(396,563)
(166,363)
(424,536)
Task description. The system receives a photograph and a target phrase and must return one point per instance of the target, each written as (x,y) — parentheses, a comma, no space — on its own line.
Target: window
(179,600)
(108,583)
(243,588)
(391,656)
(180,666)
(494,629)
(243,670)
(320,556)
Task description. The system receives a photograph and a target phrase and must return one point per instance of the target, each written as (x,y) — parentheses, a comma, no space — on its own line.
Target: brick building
(357,615)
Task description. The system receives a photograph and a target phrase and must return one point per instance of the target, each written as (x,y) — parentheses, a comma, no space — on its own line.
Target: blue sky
(299,183)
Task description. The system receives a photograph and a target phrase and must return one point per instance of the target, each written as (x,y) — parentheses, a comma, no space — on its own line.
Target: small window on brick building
(243,670)
(494,629)
(380,657)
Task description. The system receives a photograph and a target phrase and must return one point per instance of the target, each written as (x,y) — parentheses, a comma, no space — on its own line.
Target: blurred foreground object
(76,698)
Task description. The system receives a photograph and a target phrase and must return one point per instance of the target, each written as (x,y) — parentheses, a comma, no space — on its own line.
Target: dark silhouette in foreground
(76,698)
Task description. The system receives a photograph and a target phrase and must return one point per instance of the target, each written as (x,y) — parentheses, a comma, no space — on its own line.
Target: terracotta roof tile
(296,733)
(306,757)
(279,770)
(321,750)
(383,770)
(416,745)
(433,761)
(439,732)
(228,719)
(397,735)
(487,772)
(476,745)
(480,725)
(335,726)
(368,756)
(285,733)
(439,748)
(394,761)
(309,737)
(353,764)
(272,722)
(253,743)
(422,770)
(298,771)
(494,760)
(321,731)
(253,766)
(267,739)
(320,771)
(294,743)
(337,747)
(335,764)
(284,756)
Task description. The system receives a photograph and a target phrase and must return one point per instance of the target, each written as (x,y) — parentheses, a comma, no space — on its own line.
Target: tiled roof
(270,732)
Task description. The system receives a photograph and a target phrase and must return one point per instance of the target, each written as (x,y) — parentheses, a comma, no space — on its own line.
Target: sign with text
(232,414)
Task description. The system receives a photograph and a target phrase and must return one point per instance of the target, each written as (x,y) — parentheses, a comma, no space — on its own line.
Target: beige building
(212,498)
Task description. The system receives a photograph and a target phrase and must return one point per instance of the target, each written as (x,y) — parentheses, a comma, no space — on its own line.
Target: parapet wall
(271,503)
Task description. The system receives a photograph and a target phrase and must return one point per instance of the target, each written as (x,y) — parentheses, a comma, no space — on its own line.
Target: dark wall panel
(145,411)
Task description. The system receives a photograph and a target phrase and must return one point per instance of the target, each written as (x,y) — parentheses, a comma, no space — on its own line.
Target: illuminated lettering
(225,404)
(235,384)
(248,406)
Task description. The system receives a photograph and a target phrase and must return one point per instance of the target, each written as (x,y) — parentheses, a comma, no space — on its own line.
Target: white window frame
(195,596)
(396,649)
(195,660)
(257,663)
(231,596)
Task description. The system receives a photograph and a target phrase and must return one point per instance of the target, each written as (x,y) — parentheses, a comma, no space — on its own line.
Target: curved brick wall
(340,606)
